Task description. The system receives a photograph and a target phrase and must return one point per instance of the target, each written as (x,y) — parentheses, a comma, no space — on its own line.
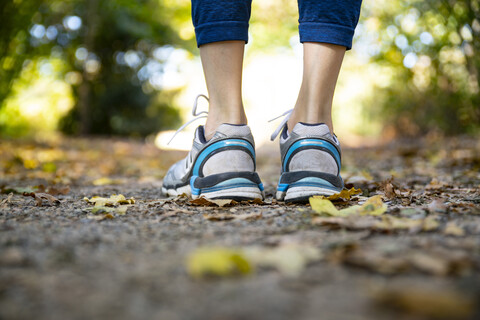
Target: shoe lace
(286,114)
(194,113)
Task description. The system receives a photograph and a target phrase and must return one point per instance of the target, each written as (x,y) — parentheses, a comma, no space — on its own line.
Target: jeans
(328,21)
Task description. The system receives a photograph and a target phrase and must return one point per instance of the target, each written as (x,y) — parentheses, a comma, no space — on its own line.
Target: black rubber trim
(178,185)
(291,177)
(214,179)
(313,147)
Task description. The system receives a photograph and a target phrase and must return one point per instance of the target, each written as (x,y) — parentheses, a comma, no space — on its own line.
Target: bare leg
(321,66)
(222,65)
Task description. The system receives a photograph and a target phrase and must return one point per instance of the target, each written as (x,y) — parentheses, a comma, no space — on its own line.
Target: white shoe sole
(243,193)
(301,194)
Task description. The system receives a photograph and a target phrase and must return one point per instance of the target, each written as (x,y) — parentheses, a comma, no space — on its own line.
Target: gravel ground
(61,261)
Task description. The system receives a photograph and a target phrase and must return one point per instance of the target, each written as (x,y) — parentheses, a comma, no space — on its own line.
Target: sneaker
(311,162)
(220,168)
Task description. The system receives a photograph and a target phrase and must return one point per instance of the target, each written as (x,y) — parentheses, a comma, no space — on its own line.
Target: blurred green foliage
(431,49)
(114,53)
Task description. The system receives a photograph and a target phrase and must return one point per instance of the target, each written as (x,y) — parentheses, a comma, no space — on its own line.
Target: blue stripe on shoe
(195,191)
(217,145)
(308,182)
(314,143)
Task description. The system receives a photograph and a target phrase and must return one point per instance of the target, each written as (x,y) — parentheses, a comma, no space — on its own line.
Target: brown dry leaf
(254,201)
(230,216)
(437,205)
(204,202)
(427,301)
(342,195)
(7,200)
(54,191)
(114,200)
(58,190)
(452,229)
(436,184)
(389,189)
(39,197)
(219,216)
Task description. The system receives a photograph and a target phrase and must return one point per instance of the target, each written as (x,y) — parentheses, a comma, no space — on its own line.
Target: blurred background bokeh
(131,68)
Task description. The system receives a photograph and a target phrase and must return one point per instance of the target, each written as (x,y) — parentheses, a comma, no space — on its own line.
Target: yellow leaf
(220,262)
(107,210)
(106,181)
(110,202)
(320,205)
(290,259)
(344,194)
(372,207)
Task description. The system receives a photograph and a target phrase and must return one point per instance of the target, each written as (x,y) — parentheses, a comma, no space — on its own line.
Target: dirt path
(421,259)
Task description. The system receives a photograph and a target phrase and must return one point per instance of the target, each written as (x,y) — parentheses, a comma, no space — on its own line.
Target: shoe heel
(233,185)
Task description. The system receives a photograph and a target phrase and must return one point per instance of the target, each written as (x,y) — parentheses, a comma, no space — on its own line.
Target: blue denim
(328,21)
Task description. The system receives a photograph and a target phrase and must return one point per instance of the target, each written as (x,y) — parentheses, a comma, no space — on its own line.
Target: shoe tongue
(304,129)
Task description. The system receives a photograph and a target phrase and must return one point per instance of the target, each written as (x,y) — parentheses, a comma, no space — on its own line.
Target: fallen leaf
(220,262)
(320,205)
(290,260)
(427,301)
(106,181)
(17,190)
(345,194)
(53,190)
(436,184)
(231,216)
(114,200)
(373,206)
(100,217)
(122,210)
(387,223)
(39,197)
(7,200)
(249,216)
(452,229)
(437,205)
(219,216)
(351,222)
(212,202)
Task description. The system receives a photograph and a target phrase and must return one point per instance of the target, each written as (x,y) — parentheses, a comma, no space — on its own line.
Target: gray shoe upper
(180,172)
(305,151)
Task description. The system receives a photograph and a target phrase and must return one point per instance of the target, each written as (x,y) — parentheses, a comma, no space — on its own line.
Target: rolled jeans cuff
(326,33)
(221,31)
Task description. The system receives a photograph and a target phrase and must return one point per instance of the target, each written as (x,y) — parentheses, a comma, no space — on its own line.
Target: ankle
(213,122)
(309,118)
